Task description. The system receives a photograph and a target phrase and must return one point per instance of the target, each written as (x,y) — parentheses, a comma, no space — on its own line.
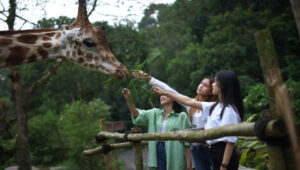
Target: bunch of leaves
(139,88)
(253,153)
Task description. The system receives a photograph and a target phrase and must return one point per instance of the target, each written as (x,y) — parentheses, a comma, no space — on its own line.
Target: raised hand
(126,93)
(140,74)
(158,90)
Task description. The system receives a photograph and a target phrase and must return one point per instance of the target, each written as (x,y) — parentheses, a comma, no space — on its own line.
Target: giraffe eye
(89,43)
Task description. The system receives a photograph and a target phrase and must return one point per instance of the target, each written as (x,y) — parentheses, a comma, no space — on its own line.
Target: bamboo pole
(242,129)
(279,100)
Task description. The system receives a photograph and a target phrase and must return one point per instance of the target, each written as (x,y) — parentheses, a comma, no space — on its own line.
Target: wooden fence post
(280,156)
(107,156)
(138,151)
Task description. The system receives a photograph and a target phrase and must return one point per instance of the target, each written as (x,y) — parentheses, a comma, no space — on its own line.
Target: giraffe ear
(100,28)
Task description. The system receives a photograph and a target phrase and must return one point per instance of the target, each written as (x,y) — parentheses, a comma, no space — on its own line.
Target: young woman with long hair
(227,110)
(200,154)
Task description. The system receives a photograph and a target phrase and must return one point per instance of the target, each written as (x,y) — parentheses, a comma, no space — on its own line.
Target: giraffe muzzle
(121,73)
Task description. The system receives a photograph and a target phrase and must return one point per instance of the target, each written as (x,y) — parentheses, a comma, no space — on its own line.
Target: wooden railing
(136,140)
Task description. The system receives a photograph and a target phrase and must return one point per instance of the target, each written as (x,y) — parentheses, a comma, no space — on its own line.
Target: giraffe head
(89,47)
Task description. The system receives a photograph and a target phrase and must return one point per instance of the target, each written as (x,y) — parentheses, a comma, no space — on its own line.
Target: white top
(230,116)
(197,120)
(163,127)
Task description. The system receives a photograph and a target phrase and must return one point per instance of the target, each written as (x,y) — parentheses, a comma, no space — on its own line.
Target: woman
(200,154)
(163,155)
(228,110)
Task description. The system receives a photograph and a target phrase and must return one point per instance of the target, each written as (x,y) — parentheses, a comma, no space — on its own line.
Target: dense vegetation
(184,42)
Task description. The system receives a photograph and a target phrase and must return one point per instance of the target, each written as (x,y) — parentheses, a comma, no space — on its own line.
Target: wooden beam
(279,101)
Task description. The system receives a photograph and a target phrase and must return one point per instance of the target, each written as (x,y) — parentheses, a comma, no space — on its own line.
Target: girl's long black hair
(230,92)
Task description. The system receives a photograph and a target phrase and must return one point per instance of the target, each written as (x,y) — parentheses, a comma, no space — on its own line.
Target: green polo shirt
(175,152)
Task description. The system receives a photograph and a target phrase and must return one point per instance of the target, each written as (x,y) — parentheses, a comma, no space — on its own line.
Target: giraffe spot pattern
(44,54)
(96,59)
(79,52)
(46,38)
(68,54)
(58,35)
(32,58)
(73,54)
(47,45)
(81,60)
(27,38)
(17,55)
(5,42)
(51,34)
(89,57)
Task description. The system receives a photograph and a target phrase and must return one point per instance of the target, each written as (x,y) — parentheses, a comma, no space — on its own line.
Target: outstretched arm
(179,98)
(155,82)
(132,108)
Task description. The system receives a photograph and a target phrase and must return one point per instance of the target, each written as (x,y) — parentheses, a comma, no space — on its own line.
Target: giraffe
(79,42)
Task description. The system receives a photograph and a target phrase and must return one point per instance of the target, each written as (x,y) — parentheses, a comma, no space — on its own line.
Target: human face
(216,88)
(165,100)
(204,88)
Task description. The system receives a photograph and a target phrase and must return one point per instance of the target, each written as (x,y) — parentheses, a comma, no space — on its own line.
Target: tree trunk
(23,154)
(296,10)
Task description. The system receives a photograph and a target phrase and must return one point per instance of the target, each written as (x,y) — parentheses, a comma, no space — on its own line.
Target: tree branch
(42,81)
(26,20)
(93,8)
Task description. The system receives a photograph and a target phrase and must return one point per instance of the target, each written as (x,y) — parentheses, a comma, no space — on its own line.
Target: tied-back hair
(210,98)
(229,85)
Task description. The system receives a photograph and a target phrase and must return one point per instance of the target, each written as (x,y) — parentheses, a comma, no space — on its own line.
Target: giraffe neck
(21,47)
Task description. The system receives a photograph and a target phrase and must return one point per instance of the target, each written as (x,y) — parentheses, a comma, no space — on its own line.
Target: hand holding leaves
(158,90)
(141,75)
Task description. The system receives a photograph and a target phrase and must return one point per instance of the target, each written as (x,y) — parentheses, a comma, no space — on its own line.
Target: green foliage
(46,139)
(79,122)
(173,45)
(294,92)
(256,100)
(54,22)
(253,153)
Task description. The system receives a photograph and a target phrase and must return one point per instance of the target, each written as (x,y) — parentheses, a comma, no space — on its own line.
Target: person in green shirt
(163,155)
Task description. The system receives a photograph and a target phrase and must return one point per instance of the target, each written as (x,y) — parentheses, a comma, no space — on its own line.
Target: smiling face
(165,100)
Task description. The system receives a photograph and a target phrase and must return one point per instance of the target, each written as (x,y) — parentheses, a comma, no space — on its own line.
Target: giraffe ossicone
(80,42)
